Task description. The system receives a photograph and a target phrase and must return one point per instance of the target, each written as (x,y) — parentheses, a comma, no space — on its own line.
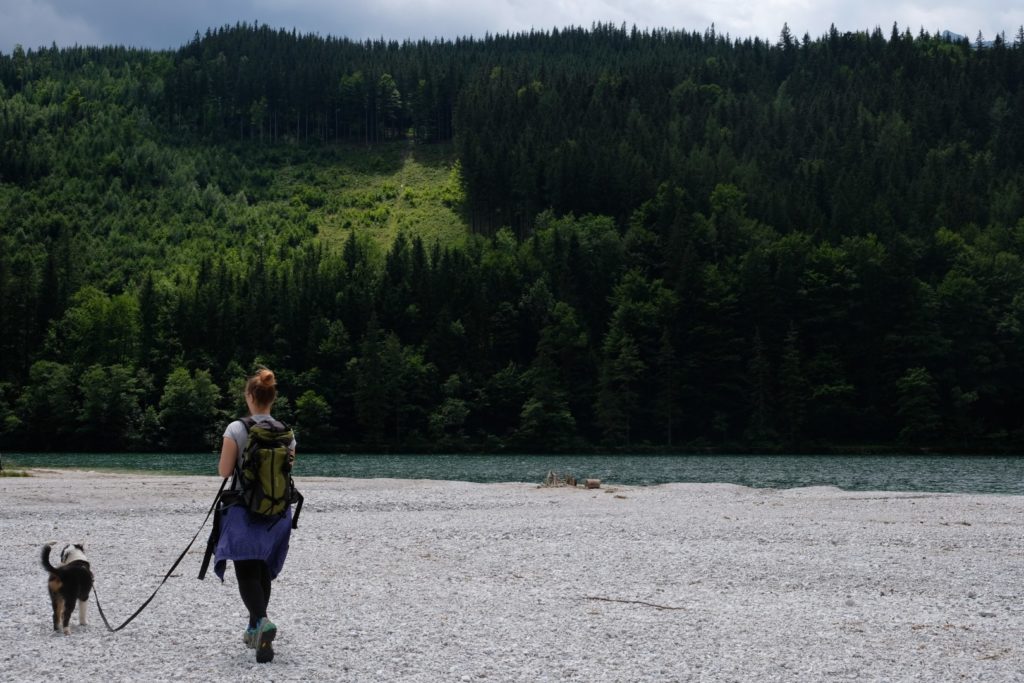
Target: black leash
(127,621)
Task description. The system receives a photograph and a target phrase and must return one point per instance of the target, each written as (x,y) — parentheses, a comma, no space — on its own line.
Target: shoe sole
(264,649)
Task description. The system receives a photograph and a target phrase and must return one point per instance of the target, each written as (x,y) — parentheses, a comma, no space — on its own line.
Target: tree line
(679,241)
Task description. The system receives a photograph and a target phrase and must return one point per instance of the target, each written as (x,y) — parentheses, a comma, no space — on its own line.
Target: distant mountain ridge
(956,38)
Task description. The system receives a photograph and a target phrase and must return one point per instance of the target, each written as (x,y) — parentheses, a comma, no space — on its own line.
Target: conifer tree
(793,389)
(618,396)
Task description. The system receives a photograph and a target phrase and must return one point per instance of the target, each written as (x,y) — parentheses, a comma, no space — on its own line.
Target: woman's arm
(228,456)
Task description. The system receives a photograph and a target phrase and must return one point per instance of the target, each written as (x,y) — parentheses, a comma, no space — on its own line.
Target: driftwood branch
(631,602)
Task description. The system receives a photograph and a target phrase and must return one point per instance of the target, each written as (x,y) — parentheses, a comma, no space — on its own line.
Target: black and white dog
(70,582)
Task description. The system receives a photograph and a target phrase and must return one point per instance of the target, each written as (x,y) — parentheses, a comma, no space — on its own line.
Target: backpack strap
(248,422)
(298,508)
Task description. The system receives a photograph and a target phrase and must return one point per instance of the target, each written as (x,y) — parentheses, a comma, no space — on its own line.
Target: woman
(257,549)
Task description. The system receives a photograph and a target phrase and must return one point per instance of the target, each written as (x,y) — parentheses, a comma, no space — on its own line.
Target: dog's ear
(80,546)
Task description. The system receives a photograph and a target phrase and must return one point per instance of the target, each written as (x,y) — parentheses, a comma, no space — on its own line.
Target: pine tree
(917,407)
(668,381)
(793,390)
(369,393)
(759,427)
(617,399)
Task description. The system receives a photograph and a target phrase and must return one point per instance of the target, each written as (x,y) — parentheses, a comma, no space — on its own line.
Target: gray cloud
(143,23)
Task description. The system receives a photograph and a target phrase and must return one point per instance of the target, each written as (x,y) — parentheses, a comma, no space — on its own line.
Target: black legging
(254,587)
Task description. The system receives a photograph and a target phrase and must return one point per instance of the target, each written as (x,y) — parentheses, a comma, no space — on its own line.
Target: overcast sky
(169,24)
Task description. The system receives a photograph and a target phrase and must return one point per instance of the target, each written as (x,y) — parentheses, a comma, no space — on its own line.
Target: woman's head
(262,388)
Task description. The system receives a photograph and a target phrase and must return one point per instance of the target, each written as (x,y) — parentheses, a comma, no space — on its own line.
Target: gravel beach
(399,580)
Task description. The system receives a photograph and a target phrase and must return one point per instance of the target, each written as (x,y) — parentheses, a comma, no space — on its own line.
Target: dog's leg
(57,600)
(69,608)
(81,613)
(58,611)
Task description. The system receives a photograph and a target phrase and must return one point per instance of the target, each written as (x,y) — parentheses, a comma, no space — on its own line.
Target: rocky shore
(398,580)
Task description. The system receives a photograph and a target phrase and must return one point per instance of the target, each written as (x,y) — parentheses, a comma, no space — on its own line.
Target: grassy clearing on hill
(376,191)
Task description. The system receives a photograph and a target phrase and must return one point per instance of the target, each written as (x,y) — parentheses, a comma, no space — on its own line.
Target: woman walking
(256,545)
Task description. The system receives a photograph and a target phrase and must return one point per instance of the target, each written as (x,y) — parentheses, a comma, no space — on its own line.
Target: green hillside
(579,239)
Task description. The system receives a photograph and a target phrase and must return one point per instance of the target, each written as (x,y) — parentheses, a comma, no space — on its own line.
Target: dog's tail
(46,558)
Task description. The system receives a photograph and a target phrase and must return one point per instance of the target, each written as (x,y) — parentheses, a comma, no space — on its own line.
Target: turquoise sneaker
(249,638)
(265,633)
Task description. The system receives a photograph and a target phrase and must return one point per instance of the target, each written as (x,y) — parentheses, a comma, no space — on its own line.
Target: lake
(947,473)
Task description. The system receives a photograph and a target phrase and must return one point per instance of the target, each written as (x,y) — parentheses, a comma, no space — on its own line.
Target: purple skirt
(246,537)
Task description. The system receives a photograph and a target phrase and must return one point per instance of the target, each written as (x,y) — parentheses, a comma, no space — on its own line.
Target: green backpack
(263,474)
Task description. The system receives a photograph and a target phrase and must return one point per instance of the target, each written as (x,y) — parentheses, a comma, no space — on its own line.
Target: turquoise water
(963,474)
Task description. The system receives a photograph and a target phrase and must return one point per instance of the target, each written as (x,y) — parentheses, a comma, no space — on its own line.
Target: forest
(589,239)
